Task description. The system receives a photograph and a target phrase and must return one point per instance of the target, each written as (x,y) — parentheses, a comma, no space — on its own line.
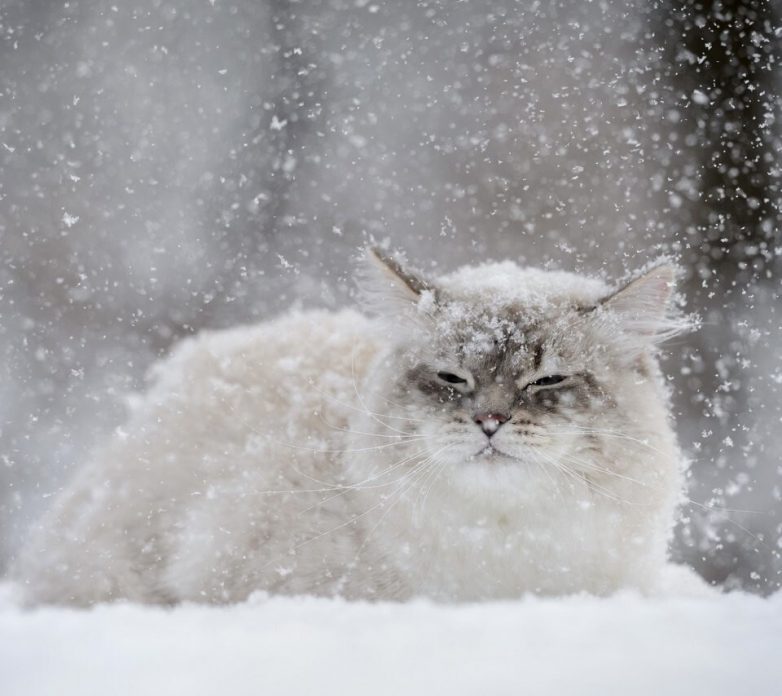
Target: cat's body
(499,432)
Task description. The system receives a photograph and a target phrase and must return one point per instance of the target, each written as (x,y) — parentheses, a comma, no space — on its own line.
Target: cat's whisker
(419,476)
(431,479)
(579,477)
(401,439)
(736,524)
(591,485)
(579,430)
(303,491)
(353,520)
(391,468)
(720,508)
(400,436)
(339,488)
(420,471)
(371,413)
(367,411)
(545,470)
(344,450)
(602,490)
(687,500)
(397,432)
(591,466)
(586,468)
(358,486)
(361,485)
(542,463)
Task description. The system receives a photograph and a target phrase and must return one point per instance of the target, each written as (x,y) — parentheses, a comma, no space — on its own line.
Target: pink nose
(490,422)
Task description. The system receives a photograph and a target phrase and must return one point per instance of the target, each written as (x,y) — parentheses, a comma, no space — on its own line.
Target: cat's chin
(496,477)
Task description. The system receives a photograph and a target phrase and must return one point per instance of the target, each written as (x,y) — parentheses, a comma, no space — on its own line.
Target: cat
(489,433)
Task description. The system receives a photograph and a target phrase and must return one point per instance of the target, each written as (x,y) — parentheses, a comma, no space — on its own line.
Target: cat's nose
(490,422)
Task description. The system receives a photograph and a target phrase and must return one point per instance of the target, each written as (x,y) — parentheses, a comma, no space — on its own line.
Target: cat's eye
(548,381)
(451,378)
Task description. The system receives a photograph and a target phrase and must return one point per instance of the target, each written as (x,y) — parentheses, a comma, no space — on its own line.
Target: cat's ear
(389,288)
(644,309)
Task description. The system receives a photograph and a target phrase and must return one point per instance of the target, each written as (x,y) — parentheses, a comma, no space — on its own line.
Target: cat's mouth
(490,452)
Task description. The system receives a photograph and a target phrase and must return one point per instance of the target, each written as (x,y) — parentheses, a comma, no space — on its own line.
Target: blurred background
(169,166)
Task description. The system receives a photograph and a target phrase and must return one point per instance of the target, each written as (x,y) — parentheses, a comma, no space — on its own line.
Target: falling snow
(179,166)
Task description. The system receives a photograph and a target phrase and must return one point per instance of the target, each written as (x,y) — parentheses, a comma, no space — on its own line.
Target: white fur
(272,458)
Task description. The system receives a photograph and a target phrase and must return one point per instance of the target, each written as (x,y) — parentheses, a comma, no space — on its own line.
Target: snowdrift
(268,646)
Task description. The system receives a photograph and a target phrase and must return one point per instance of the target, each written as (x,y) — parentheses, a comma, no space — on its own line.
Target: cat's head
(494,364)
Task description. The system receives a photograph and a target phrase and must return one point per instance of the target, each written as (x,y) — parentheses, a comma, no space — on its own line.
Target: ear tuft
(388,287)
(644,308)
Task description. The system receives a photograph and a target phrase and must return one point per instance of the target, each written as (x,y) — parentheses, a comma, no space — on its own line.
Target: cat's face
(498,367)
(490,387)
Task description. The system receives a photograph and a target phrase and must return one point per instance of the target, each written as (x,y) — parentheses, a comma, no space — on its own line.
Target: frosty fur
(324,453)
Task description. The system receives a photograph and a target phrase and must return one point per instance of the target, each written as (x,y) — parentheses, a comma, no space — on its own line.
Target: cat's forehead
(502,317)
(478,335)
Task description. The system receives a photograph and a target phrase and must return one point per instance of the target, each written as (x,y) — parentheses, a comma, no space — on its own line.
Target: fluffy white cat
(495,431)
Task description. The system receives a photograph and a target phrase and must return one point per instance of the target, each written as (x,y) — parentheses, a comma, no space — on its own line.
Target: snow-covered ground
(581,645)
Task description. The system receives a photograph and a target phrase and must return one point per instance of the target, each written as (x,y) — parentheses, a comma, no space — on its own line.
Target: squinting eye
(548,381)
(451,378)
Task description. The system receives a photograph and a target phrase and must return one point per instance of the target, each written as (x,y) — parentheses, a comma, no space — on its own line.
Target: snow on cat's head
(496,365)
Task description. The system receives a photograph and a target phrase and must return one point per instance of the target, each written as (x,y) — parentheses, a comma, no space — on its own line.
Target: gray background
(169,166)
